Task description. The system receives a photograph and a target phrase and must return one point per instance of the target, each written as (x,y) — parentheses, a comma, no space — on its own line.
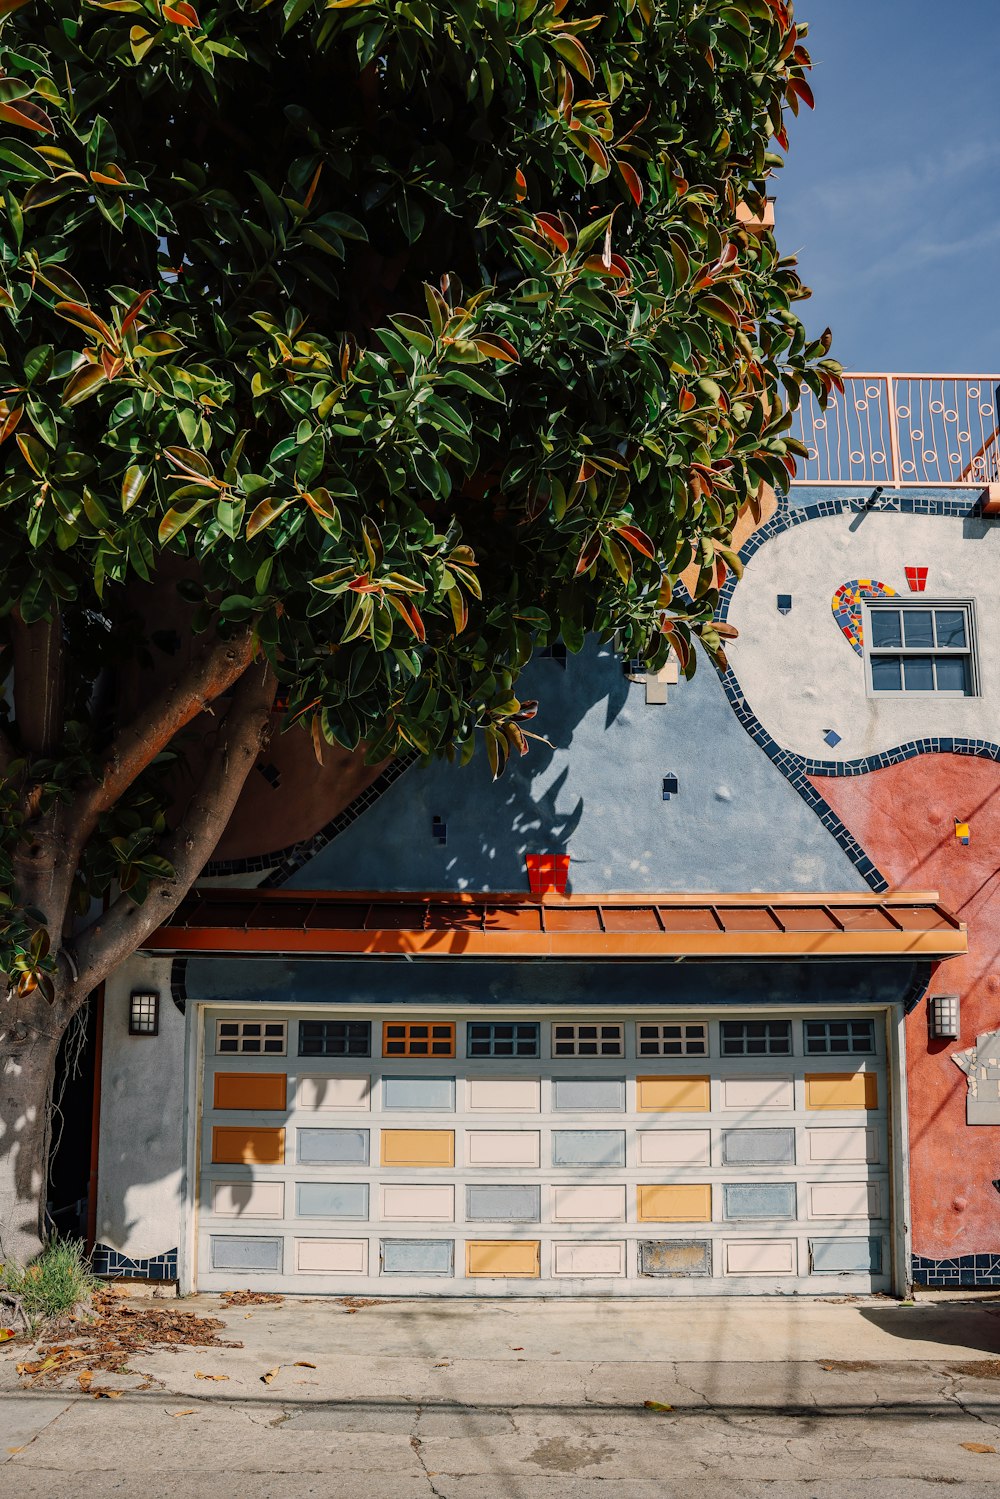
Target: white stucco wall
(142,1142)
(800,674)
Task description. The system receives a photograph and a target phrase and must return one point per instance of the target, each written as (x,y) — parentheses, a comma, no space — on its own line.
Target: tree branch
(38,682)
(117,933)
(204,679)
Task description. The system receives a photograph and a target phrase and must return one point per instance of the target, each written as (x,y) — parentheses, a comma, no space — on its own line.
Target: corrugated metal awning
(322,923)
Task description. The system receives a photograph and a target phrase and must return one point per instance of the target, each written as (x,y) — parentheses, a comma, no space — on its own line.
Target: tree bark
(30,1033)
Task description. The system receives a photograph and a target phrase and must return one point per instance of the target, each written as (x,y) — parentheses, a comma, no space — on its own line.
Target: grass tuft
(54,1283)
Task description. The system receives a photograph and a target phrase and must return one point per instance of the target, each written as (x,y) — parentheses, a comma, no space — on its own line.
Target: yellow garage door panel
(663,1095)
(250,1090)
(689,1203)
(234,1145)
(841,1090)
(418,1147)
(510,1258)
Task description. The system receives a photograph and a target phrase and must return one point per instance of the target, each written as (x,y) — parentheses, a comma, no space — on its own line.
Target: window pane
(952,673)
(950,624)
(886,676)
(885,627)
(918,673)
(918,628)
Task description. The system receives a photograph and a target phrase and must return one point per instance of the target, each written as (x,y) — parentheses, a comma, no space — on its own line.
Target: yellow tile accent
(664,1095)
(418,1147)
(510,1258)
(841,1090)
(250,1090)
(687,1203)
(243,1145)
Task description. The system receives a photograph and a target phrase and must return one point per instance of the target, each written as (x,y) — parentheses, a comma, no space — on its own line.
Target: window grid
(921,648)
(335,1038)
(251,1037)
(418,1039)
(840,1037)
(671,1040)
(588,1040)
(756,1038)
(502,1039)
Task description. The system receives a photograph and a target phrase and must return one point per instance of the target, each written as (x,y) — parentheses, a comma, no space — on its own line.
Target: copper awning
(322,923)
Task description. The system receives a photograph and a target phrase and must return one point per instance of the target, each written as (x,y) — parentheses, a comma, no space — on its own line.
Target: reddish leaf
(135,309)
(267,511)
(637,539)
(632,181)
(75,312)
(573,52)
(587,472)
(495,347)
(687,400)
(181,13)
(588,554)
(520,186)
(410,613)
(681,648)
(110,176)
(552,229)
(720,311)
(28,116)
(592,146)
(801,88)
(82,383)
(617,269)
(10,419)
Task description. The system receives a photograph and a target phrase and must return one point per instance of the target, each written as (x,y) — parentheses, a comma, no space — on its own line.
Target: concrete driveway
(533,1400)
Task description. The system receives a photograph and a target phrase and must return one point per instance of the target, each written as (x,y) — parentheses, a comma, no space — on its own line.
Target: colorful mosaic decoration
(846,606)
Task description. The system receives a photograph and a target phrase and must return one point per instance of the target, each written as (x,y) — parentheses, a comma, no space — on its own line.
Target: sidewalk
(824,1399)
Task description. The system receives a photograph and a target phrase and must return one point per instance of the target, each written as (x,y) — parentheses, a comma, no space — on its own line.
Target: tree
(388,340)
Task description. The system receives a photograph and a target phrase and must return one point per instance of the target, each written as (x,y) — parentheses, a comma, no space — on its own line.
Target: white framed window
(588,1040)
(840,1037)
(756,1038)
(671,1040)
(251,1038)
(925,648)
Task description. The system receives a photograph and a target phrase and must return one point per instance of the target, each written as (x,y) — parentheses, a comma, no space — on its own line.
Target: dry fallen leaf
(656,1405)
(270,1375)
(198,1375)
(303,1363)
(107,1394)
(977,1447)
(12,1450)
(445,1365)
(85,1379)
(175,1414)
(516,1350)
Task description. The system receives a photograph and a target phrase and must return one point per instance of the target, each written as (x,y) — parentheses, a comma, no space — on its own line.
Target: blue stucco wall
(595,792)
(536,984)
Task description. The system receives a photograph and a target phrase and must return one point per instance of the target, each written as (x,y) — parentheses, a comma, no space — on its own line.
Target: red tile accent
(916,578)
(547,873)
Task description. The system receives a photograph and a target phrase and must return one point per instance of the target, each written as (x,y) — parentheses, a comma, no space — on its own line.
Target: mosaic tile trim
(283,862)
(107,1261)
(178,983)
(846,606)
(980,1270)
(798,769)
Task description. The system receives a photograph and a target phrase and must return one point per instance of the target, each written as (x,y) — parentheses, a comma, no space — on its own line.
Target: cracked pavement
(789,1399)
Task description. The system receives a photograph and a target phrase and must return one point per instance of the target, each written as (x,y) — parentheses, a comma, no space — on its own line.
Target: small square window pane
(885,627)
(886,674)
(918,673)
(950,625)
(952,673)
(918,628)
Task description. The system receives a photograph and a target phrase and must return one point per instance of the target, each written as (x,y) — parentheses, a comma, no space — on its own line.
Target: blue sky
(891,195)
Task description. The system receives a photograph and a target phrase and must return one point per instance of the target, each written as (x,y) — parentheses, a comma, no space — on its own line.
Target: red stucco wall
(905,818)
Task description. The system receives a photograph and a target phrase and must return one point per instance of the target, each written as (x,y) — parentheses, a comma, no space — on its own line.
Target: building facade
(700,998)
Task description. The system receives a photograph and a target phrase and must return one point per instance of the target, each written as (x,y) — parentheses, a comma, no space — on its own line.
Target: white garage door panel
(631,1174)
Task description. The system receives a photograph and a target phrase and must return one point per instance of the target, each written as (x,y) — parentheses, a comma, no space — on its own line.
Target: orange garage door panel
(238,1145)
(418,1147)
(841,1090)
(509,1258)
(249,1090)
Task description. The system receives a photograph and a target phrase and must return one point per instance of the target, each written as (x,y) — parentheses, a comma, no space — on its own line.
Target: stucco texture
(905,816)
(594,791)
(800,674)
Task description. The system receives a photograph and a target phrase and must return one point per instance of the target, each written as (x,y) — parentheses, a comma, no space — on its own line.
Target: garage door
(465,1154)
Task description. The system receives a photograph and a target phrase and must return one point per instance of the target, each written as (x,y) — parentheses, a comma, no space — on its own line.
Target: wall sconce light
(669,787)
(784,603)
(144,1014)
(943,1017)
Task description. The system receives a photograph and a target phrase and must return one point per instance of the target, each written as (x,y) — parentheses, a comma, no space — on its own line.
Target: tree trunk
(30,1031)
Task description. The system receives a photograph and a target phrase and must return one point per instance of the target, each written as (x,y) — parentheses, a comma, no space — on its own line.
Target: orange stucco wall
(905,817)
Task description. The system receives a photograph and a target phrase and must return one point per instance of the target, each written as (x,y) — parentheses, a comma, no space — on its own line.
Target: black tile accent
(980,1270)
(111,1262)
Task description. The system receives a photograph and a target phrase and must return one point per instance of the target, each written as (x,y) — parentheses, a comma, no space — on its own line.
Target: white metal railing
(903,431)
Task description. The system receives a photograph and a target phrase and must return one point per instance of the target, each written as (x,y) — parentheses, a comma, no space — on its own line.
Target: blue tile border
(110,1262)
(979,1270)
(797,769)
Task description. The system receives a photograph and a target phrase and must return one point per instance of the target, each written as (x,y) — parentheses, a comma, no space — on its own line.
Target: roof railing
(903,432)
